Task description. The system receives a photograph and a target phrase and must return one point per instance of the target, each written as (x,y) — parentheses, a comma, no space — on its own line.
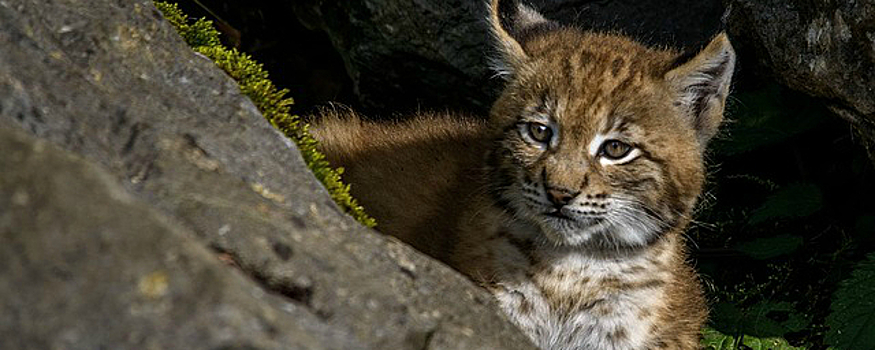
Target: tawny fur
(610,271)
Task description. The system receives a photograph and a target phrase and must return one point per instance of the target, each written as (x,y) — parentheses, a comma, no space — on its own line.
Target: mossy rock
(271,101)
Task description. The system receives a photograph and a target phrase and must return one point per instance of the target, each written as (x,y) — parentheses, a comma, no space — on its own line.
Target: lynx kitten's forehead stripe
(569,202)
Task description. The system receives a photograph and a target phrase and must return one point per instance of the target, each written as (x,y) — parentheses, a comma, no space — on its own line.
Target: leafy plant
(852,321)
(764,319)
(783,228)
(715,340)
(254,83)
(770,247)
(760,118)
(795,200)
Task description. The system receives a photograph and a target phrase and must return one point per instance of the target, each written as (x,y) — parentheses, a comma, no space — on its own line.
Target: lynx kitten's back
(569,202)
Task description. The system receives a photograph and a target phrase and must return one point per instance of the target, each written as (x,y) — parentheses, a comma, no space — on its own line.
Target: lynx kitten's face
(599,139)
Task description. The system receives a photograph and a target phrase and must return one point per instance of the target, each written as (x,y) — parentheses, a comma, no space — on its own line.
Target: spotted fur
(570,201)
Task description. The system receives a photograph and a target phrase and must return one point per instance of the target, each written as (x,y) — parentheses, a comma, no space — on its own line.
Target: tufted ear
(510,21)
(702,84)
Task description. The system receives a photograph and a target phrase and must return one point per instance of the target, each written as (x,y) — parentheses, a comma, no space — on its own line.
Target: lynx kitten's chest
(578,302)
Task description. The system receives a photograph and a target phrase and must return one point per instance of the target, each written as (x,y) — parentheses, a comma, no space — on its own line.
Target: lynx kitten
(569,203)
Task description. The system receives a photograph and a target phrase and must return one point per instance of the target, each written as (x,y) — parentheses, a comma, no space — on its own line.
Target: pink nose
(560,197)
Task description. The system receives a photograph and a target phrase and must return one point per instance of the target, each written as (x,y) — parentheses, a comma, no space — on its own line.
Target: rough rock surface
(85,265)
(403,55)
(823,48)
(188,222)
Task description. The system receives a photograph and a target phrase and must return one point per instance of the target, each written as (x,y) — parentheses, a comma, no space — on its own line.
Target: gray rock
(823,48)
(404,55)
(86,264)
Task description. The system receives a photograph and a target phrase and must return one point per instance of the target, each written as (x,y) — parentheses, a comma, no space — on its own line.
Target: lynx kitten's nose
(559,197)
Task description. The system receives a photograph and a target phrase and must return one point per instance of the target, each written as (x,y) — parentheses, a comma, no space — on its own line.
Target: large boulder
(185,220)
(823,48)
(404,55)
(85,265)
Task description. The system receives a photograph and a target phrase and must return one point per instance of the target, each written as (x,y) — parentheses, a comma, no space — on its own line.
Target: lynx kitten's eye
(540,132)
(614,149)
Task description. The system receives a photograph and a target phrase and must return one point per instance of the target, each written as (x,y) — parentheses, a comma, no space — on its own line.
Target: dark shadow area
(298,59)
(784,218)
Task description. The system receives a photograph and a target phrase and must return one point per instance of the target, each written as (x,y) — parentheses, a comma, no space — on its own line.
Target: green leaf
(791,201)
(766,117)
(728,317)
(774,318)
(852,321)
(715,340)
(773,343)
(770,247)
(764,320)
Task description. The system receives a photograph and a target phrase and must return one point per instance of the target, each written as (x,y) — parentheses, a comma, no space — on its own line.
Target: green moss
(199,33)
(271,101)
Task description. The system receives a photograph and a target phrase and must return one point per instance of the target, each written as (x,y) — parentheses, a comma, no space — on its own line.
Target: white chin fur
(568,236)
(603,234)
